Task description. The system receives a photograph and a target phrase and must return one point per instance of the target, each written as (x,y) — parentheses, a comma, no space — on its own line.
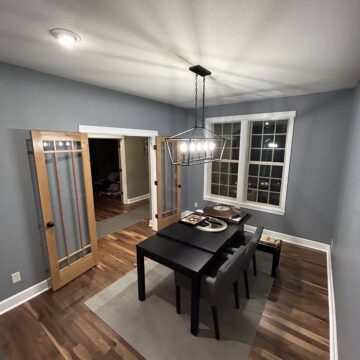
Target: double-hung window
(254,169)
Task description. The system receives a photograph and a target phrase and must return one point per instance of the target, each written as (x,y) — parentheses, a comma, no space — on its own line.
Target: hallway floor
(107,207)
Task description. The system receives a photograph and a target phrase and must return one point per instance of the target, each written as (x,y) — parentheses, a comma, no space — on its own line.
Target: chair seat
(206,280)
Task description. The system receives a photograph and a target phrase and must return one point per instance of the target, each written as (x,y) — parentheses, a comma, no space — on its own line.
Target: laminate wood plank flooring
(58,325)
(295,322)
(107,207)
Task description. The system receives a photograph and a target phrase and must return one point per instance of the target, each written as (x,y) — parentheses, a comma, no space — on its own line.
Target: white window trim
(242,169)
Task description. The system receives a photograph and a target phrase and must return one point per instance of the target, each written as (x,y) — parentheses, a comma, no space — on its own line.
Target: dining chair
(251,242)
(218,280)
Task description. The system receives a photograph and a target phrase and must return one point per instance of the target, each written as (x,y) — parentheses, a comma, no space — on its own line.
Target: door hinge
(179,186)
(155,147)
(155,182)
(156,216)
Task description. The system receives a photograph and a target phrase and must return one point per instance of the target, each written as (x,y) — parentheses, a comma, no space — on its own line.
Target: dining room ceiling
(255,49)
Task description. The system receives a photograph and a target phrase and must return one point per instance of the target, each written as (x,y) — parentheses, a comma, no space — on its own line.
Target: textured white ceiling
(255,49)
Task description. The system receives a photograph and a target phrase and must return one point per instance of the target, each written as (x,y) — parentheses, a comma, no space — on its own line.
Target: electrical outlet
(16,277)
(195,204)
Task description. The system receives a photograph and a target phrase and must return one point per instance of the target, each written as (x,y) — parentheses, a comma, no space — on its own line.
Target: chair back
(228,272)
(251,246)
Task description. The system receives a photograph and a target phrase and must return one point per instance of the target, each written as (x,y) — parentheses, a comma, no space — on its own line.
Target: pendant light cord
(203,104)
(196,98)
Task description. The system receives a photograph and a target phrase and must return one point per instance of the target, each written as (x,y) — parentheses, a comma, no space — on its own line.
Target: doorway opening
(121,181)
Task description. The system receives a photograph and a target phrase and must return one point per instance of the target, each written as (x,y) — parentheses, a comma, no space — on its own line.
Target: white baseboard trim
(334,355)
(186,213)
(23,296)
(138,198)
(316,245)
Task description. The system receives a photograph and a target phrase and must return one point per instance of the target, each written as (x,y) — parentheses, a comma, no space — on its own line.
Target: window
(224,172)
(254,169)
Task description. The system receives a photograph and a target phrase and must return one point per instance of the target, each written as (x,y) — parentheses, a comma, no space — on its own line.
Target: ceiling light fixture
(65,37)
(197,145)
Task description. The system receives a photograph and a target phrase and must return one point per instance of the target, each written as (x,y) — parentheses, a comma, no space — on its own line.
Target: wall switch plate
(195,204)
(16,277)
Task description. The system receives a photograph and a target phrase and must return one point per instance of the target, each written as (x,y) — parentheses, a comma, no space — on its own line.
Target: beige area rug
(153,328)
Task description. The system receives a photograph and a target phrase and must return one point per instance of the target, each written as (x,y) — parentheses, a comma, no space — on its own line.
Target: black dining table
(188,250)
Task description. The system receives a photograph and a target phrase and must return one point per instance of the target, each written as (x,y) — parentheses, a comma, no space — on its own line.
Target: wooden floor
(58,325)
(107,207)
(295,322)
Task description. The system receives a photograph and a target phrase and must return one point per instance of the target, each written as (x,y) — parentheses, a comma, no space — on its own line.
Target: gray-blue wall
(318,150)
(346,246)
(32,100)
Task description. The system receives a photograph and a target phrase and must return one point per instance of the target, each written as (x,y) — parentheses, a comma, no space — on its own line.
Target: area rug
(119,222)
(153,328)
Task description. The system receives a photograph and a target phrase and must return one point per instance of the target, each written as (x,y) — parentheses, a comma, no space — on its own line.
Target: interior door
(169,190)
(64,179)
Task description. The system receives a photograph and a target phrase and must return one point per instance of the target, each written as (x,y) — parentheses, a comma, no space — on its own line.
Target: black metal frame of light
(197,145)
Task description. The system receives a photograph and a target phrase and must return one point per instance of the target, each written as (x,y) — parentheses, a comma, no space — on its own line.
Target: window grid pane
(266,161)
(224,172)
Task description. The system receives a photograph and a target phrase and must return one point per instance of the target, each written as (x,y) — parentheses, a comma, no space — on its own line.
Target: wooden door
(63,172)
(169,191)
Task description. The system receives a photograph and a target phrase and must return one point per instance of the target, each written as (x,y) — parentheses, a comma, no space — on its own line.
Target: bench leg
(178,299)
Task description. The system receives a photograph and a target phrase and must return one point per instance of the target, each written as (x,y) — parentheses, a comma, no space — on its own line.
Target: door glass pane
(68,202)
(55,205)
(68,199)
(169,199)
(81,195)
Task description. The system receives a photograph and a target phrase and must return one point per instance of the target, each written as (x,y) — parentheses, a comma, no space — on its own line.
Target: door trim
(112,132)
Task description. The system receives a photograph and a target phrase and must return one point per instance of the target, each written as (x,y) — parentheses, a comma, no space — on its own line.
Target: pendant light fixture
(197,145)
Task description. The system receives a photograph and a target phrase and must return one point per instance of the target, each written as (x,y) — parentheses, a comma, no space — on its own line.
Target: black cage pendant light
(197,145)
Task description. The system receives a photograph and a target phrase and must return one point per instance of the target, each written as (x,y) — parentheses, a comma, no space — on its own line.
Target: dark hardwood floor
(107,207)
(58,325)
(295,322)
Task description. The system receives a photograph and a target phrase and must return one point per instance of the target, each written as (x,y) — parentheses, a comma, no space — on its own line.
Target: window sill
(268,209)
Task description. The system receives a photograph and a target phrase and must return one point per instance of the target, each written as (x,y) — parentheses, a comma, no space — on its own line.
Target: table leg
(195,304)
(141,274)
(275,262)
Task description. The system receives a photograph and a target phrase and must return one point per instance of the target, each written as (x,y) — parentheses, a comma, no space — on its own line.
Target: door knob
(50,224)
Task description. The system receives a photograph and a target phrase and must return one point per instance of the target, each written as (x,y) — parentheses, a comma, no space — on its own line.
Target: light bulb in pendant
(212,146)
(192,147)
(205,146)
(183,147)
(198,146)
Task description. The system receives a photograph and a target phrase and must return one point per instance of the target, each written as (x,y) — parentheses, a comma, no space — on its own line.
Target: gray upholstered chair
(251,243)
(216,283)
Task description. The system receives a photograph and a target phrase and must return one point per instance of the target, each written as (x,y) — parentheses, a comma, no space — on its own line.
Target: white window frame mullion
(243,157)
(286,169)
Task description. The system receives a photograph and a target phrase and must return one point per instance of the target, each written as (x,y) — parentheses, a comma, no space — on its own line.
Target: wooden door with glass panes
(66,197)
(169,188)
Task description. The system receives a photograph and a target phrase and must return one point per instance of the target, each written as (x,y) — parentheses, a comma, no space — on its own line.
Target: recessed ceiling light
(65,37)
